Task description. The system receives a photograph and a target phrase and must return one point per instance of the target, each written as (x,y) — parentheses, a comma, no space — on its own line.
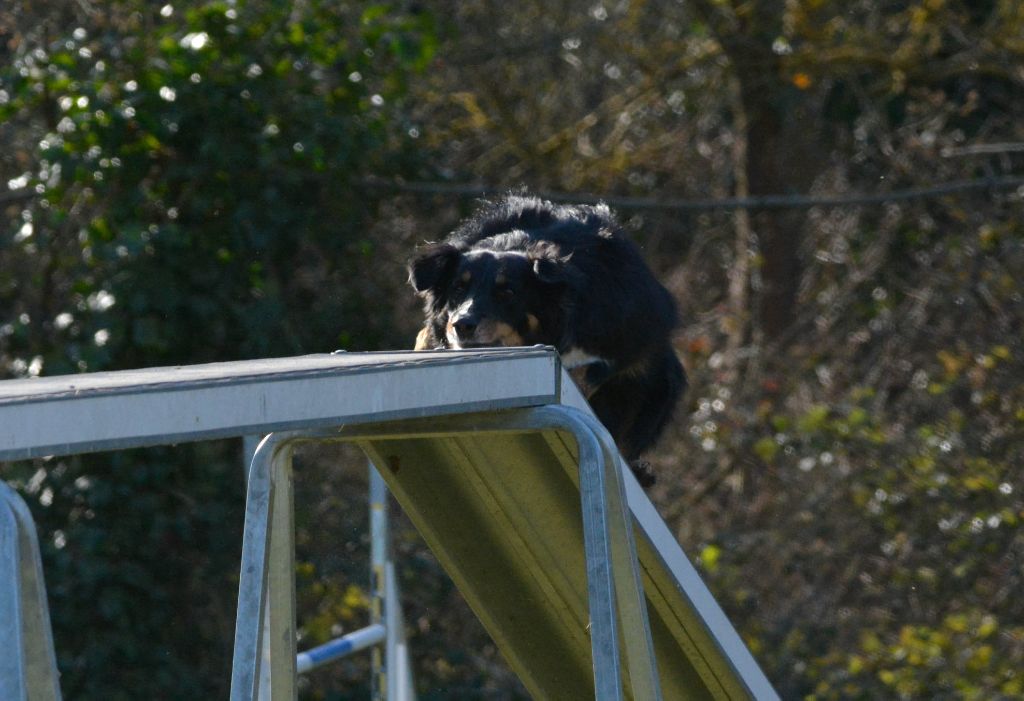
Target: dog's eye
(504,292)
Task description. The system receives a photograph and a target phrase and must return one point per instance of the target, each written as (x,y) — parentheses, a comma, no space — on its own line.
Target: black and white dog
(523,271)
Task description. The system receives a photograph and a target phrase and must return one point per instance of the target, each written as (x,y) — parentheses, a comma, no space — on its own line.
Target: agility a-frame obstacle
(498,462)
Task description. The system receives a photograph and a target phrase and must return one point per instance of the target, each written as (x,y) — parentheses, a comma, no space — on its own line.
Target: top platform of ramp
(72,414)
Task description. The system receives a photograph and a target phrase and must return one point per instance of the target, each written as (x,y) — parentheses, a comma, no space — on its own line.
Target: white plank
(105,411)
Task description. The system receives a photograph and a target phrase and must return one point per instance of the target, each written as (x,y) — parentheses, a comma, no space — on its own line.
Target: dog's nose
(465,327)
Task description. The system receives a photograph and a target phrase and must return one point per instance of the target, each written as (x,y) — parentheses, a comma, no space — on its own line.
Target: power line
(728,203)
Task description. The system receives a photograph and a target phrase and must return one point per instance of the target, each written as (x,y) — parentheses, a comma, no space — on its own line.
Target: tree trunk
(779,150)
(770,146)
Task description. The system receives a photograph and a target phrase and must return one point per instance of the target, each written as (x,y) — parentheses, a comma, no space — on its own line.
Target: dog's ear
(548,265)
(432,267)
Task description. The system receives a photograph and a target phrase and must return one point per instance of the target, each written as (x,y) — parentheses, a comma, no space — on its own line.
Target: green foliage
(141,556)
(201,172)
(193,176)
(955,659)
(905,516)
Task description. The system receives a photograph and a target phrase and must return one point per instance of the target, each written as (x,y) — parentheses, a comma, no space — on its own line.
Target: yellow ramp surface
(501,510)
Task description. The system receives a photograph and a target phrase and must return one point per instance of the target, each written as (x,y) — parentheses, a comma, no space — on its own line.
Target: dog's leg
(636,406)
(423,339)
(655,394)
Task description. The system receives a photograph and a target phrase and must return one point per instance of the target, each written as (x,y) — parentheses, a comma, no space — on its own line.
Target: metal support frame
(410,395)
(267,580)
(28,667)
(615,592)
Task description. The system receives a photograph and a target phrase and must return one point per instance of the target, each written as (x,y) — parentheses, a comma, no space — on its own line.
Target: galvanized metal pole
(28,667)
(379,540)
(604,629)
(636,628)
(392,673)
(344,646)
(281,579)
(268,563)
(249,445)
(400,683)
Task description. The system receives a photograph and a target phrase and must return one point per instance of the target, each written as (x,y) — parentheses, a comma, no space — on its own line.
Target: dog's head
(483,297)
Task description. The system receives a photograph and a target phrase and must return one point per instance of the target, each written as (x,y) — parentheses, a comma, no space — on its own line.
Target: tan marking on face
(422,339)
(500,279)
(497,333)
(508,335)
(532,323)
(467,276)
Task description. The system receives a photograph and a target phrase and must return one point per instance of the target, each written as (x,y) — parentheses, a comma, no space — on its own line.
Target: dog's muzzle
(472,331)
(462,331)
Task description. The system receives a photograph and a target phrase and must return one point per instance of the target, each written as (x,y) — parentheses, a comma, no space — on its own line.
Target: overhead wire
(727,203)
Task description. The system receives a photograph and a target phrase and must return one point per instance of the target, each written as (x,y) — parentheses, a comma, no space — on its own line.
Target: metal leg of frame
(249,445)
(379,542)
(267,582)
(610,544)
(400,679)
(28,666)
(614,586)
(604,636)
(641,661)
(392,674)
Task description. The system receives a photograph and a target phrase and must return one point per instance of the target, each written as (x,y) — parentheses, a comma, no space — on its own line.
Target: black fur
(523,271)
